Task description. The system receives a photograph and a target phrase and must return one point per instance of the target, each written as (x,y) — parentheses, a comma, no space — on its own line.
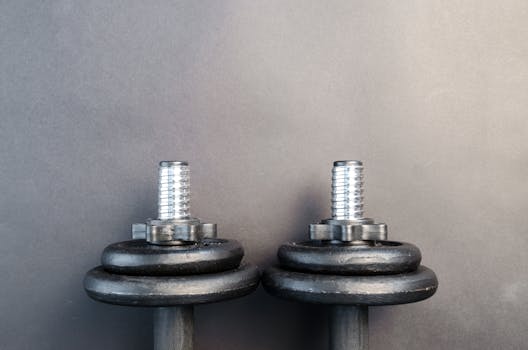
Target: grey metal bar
(173,328)
(349,327)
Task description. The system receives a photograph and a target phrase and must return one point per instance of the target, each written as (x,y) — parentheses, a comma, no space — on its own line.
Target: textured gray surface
(261,98)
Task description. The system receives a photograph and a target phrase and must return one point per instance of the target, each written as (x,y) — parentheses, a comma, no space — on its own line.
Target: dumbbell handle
(349,327)
(173,328)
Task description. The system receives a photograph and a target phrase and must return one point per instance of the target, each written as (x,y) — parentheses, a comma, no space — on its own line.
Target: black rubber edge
(139,258)
(170,290)
(376,258)
(351,290)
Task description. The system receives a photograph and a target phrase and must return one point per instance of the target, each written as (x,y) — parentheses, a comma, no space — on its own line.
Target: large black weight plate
(355,290)
(137,257)
(376,258)
(170,290)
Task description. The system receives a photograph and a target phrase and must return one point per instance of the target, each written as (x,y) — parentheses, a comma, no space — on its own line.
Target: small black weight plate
(170,290)
(375,258)
(355,290)
(138,257)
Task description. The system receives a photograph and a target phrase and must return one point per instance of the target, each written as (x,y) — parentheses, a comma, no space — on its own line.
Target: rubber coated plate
(170,290)
(137,257)
(356,290)
(377,258)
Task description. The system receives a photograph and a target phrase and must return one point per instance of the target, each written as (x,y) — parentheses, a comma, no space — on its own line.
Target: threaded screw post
(347,190)
(173,190)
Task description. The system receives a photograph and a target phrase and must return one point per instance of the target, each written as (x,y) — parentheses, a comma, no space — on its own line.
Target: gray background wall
(261,97)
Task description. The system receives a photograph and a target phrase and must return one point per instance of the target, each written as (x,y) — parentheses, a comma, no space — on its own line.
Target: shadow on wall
(310,207)
(263,321)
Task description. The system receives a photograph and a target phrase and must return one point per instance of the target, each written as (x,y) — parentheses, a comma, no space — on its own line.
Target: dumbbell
(172,263)
(348,264)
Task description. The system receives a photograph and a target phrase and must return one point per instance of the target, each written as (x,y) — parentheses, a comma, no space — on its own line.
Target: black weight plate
(170,290)
(137,257)
(356,290)
(375,258)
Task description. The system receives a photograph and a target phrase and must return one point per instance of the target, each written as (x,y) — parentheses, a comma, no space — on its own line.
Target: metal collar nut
(173,232)
(347,231)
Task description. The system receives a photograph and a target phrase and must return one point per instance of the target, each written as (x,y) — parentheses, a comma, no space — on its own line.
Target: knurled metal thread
(347,190)
(173,190)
